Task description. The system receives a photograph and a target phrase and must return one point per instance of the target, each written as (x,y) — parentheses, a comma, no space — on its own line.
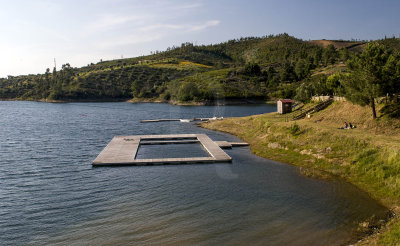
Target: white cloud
(108,22)
(187,27)
(128,40)
(210,23)
(151,33)
(160,26)
(189,6)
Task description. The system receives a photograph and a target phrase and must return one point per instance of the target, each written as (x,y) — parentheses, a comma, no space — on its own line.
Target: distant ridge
(246,68)
(355,46)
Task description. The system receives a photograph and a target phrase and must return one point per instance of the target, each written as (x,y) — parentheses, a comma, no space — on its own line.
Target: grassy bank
(367,156)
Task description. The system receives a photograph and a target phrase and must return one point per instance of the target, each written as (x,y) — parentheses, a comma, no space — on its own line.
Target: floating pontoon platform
(122,150)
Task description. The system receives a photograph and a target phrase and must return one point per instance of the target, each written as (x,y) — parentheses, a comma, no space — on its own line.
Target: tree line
(371,75)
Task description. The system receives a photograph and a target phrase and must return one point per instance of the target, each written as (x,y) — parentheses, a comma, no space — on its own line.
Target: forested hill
(254,67)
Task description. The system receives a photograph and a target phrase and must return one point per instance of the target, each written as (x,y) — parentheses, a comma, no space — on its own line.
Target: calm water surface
(51,195)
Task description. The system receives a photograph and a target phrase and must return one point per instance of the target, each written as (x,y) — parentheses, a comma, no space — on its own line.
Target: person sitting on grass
(346,126)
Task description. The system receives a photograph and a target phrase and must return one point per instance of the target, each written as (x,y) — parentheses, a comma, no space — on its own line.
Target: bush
(166,96)
(295,129)
(252,69)
(391,110)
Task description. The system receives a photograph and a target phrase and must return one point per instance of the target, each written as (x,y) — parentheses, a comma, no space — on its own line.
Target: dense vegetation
(278,66)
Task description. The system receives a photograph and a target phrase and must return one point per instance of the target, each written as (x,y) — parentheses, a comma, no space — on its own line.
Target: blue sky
(34,32)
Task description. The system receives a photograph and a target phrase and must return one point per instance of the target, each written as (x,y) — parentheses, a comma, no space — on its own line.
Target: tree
(344,54)
(366,80)
(319,84)
(329,55)
(188,91)
(271,72)
(287,73)
(304,92)
(317,57)
(252,69)
(391,74)
(54,75)
(301,69)
(333,83)
(47,77)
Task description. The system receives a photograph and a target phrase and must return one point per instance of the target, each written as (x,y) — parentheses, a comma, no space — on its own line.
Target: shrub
(295,129)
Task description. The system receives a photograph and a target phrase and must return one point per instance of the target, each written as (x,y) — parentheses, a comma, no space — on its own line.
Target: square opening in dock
(123,150)
(171,150)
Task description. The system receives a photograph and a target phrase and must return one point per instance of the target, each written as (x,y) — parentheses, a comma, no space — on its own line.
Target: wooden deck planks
(118,150)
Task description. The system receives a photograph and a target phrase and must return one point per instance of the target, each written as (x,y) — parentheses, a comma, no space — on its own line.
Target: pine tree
(366,80)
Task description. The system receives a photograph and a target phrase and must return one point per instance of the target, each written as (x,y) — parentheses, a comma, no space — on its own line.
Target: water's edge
(368,229)
(222,102)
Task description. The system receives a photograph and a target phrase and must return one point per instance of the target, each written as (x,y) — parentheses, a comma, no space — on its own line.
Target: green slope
(253,67)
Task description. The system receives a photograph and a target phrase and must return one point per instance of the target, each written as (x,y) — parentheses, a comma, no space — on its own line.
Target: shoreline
(371,232)
(151,100)
(63,101)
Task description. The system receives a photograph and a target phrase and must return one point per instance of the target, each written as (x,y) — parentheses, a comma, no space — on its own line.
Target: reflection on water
(50,194)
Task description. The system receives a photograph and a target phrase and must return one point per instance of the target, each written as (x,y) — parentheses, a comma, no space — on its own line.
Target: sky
(34,32)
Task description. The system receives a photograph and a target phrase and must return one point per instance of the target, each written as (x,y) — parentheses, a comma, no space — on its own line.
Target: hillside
(245,68)
(248,68)
(355,46)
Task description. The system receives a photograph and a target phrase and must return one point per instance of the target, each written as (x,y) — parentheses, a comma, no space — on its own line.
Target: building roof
(286,100)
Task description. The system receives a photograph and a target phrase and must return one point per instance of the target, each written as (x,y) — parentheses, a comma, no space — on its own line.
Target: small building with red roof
(284,106)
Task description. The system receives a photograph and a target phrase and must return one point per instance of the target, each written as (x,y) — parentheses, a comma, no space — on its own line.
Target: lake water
(51,195)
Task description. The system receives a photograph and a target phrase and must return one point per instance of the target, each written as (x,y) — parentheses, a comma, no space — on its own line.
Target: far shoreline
(222,102)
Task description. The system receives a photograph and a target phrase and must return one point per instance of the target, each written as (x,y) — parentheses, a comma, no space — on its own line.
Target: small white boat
(185,120)
(217,118)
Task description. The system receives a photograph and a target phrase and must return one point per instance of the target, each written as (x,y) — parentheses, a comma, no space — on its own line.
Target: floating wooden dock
(158,120)
(228,145)
(122,150)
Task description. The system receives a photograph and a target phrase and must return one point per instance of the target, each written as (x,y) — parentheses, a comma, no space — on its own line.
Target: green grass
(392,235)
(182,65)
